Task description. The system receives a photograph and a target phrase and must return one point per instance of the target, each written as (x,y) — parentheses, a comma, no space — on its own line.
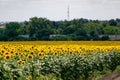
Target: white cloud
(57,9)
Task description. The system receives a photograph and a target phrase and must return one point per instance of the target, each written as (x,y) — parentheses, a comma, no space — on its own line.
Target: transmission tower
(68,13)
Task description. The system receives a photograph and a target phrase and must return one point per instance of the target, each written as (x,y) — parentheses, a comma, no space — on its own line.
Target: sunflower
(22,55)
(19,61)
(55,53)
(12,52)
(22,62)
(29,77)
(30,56)
(32,53)
(2,51)
(70,52)
(16,54)
(7,57)
(6,53)
(40,55)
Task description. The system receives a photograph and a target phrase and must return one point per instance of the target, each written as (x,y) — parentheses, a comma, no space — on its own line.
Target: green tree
(3,37)
(69,30)
(11,30)
(111,30)
(36,25)
(112,22)
(43,34)
(80,34)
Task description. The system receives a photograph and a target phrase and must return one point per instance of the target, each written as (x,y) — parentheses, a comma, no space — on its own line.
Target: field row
(90,43)
(57,60)
(8,51)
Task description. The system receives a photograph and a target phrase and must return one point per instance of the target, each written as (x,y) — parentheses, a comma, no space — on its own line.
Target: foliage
(57,62)
(11,30)
(76,29)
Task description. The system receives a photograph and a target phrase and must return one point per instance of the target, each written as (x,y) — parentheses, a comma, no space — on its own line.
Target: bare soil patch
(114,76)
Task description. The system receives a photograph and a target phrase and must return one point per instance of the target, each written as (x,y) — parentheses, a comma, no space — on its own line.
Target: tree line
(44,29)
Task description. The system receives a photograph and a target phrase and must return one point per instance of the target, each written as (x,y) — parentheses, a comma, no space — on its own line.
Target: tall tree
(11,30)
(112,22)
(111,30)
(36,24)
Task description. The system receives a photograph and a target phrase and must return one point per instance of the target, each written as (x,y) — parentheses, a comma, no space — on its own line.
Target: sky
(21,10)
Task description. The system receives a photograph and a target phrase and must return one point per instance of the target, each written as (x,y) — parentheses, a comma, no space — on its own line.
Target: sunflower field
(57,60)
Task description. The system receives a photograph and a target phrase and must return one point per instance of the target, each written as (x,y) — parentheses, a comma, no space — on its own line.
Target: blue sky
(21,10)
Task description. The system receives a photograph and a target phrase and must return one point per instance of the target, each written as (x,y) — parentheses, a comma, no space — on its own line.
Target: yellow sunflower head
(2,51)
(29,77)
(22,62)
(32,53)
(41,55)
(30,56)
(7,57)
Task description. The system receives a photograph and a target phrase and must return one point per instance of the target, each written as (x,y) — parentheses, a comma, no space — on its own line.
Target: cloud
(57,9)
